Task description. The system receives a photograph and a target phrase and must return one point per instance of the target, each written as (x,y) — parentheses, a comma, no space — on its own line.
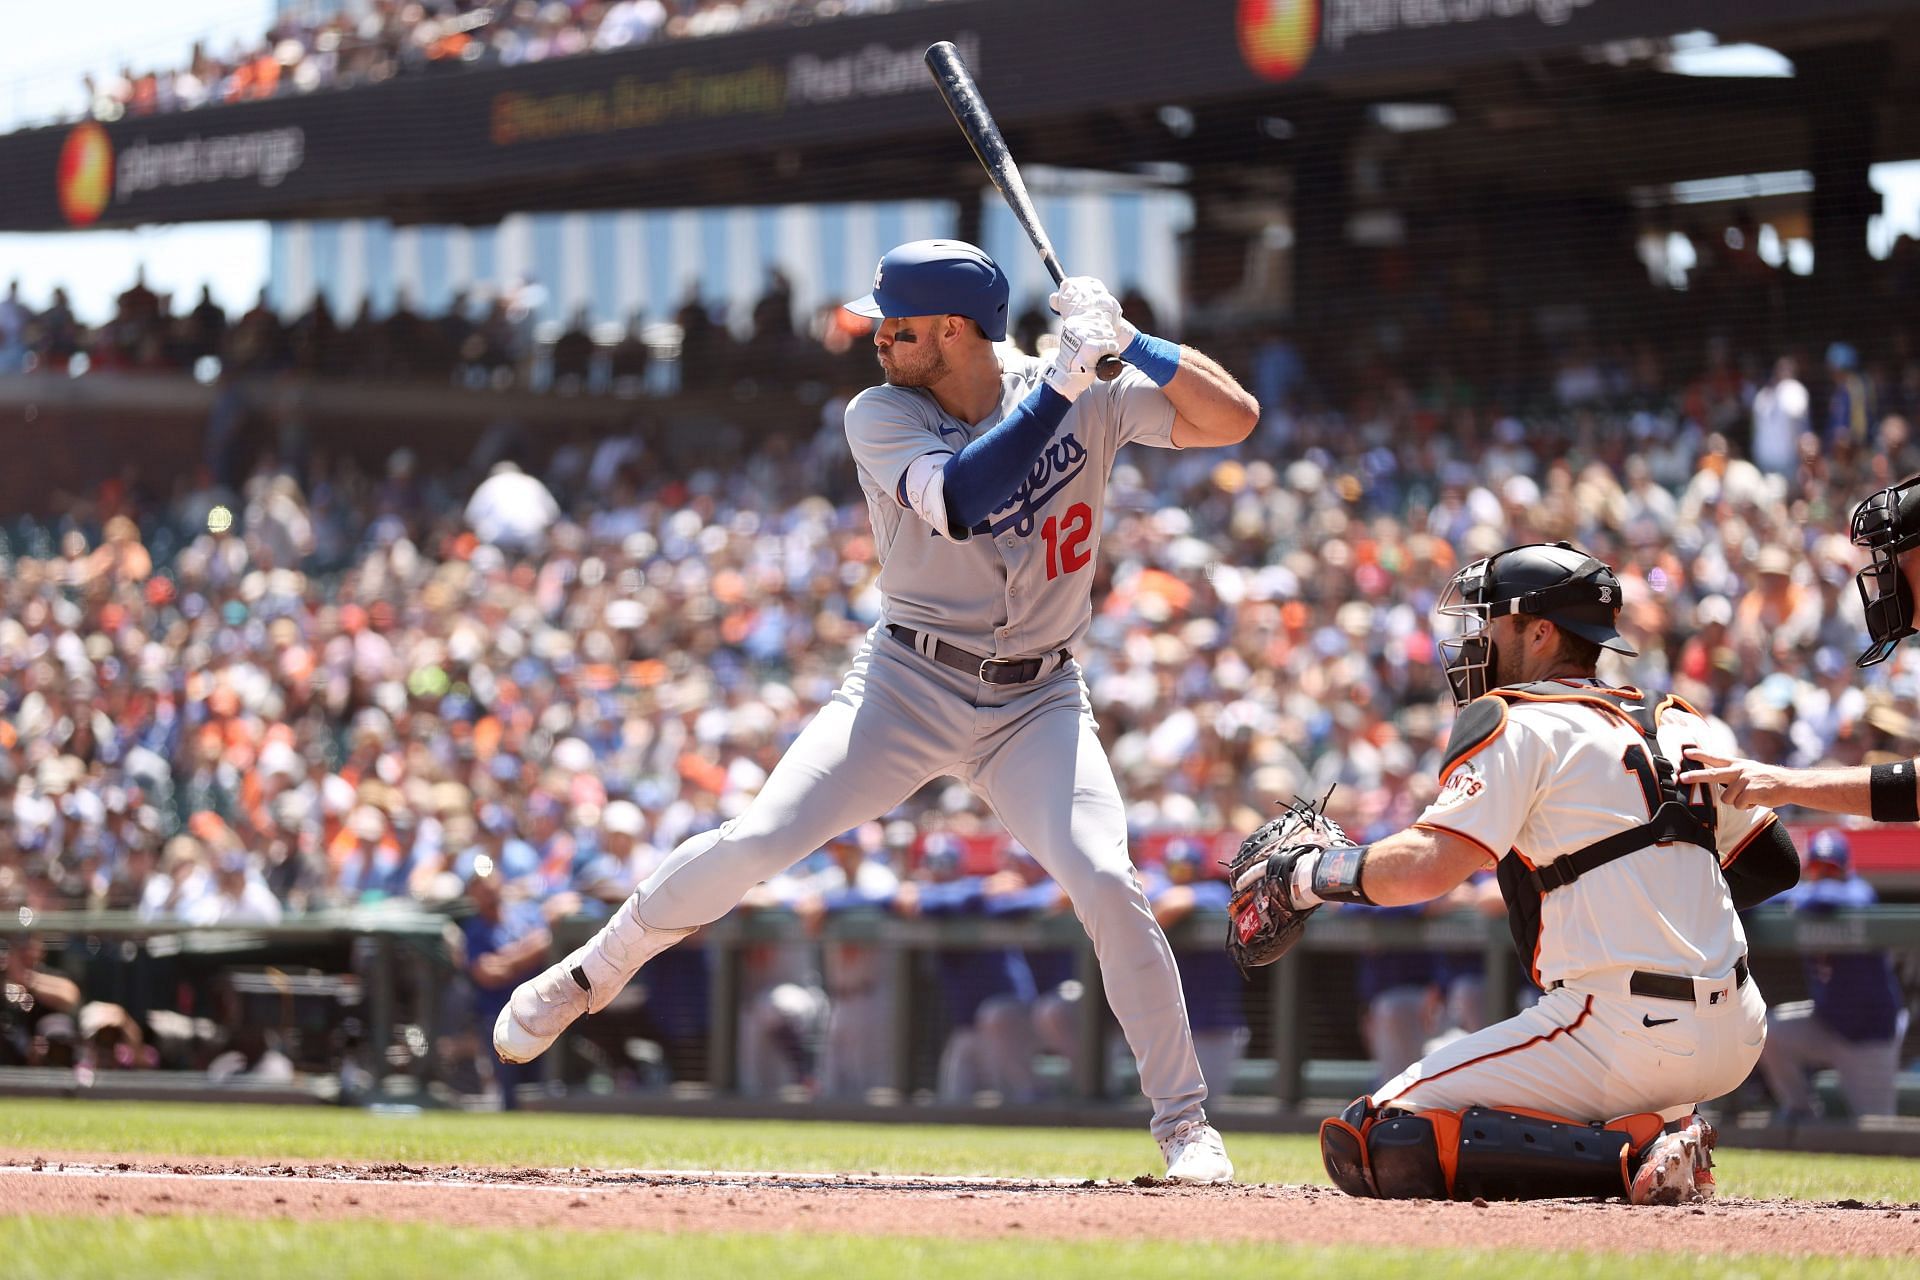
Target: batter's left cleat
(546,1004)
(1678,1166)
(539,1010)
(1196,1153)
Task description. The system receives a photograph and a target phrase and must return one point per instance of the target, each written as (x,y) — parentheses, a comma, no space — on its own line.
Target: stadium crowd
(493,341)
(325,46)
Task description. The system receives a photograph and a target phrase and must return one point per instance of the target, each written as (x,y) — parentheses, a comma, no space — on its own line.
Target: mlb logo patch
(1715,997)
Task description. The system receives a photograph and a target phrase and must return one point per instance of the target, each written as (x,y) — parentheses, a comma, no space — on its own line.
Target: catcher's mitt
(1262,921)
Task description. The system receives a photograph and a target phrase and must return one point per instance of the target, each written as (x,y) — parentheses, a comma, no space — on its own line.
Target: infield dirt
(46,1182)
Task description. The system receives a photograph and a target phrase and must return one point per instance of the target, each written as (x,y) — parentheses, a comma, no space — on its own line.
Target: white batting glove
(1079,295)
(1085,340)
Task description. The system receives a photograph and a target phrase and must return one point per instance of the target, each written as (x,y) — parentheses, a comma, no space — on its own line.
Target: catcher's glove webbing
(1263,921)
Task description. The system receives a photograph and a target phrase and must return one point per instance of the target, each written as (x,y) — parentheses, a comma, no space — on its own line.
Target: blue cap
(1831,847)
(941,853)
(939,278)
(1184,852)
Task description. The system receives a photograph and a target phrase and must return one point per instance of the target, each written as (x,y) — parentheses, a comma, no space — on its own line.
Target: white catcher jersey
(1019,584)
(1568,769)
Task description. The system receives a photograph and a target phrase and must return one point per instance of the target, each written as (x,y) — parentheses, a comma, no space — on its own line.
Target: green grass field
(217,1248)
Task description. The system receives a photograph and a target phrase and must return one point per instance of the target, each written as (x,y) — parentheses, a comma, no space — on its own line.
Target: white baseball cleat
(1196,1153)
(546,1004)
(540,1009)
(1678,1166)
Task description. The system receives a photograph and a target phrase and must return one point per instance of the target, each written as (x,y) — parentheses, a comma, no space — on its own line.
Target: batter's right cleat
(1678,1166)
(1196,1153)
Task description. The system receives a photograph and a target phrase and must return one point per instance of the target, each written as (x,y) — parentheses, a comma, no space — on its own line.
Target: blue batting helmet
(939,278)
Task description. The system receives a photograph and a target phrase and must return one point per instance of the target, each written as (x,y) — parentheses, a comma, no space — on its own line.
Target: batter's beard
(935,369)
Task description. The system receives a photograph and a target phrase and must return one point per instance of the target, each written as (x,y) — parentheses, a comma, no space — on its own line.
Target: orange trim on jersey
(1675,700)
(1479,746)
(1459,835)
(1747,839)
(1446,1143)
(1626,691)
(1584,698)
(1585,1010)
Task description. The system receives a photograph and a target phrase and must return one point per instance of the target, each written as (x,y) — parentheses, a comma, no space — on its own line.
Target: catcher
(1621,888)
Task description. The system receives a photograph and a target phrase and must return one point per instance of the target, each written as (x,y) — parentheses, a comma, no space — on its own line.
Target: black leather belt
(1671,986)
(990,670)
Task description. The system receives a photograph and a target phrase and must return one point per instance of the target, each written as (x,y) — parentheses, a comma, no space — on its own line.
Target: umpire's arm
(1887,792)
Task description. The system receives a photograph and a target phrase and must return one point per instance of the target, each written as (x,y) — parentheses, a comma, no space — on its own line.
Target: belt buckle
(997,662)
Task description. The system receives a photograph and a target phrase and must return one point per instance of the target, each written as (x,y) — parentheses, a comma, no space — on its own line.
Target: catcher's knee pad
(1395,1154)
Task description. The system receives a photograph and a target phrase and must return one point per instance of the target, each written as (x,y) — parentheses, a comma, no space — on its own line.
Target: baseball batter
(1621,888)
(985,474)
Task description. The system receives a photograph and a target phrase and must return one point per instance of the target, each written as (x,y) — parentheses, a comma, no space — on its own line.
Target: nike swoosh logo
(1648,1020)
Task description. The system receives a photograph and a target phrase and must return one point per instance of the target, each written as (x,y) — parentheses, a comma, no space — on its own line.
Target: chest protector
(1674,820)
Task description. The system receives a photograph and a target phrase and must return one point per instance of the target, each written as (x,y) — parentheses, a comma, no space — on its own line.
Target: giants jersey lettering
(1568,770)
(1018,584)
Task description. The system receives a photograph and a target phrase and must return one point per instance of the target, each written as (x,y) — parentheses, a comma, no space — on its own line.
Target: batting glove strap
(1155,357)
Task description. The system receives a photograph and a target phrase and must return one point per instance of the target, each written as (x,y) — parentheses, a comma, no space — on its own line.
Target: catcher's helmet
(1887,524)
(1569,588)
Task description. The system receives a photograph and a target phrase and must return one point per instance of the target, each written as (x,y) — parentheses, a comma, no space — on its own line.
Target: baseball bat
(962,95)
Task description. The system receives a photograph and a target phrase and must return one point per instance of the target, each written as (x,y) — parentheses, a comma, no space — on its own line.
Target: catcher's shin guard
(1393,1154)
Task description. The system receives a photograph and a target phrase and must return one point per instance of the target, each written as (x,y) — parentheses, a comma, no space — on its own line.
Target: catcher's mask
(1569,588)
(1887,524)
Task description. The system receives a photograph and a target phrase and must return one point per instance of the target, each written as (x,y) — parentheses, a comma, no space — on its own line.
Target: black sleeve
(1765,865)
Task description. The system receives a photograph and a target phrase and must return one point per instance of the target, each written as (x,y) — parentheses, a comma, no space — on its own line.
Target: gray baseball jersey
(1019,584)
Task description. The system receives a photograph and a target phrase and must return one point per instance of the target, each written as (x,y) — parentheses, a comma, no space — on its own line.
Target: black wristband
(1891,793)
(1336,875)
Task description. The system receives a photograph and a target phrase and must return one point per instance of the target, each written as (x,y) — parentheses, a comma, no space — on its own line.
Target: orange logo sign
(1277,36)
(86,174)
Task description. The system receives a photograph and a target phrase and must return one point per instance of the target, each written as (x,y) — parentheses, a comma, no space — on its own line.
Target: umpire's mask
(1887,524)
(1569,588)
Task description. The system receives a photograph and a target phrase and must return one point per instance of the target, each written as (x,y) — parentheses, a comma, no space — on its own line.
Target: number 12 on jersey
(1067,540)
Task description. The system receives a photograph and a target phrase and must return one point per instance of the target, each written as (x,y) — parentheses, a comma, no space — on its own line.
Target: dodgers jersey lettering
(1020,583)
(1564,773)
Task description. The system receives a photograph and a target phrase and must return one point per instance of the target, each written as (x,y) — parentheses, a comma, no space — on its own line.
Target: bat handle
(1109,368)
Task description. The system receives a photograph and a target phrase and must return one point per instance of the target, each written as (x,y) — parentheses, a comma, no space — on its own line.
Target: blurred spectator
(505,940)
(37,1008)
(512,510)
(1400,999)
(237,895)
(858,1052)
(1857,1019)
(783,1006)
(998,1013)
(1780,417)
(311,47)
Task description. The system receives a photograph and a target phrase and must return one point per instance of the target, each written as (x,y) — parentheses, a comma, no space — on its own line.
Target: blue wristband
(1155,357)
